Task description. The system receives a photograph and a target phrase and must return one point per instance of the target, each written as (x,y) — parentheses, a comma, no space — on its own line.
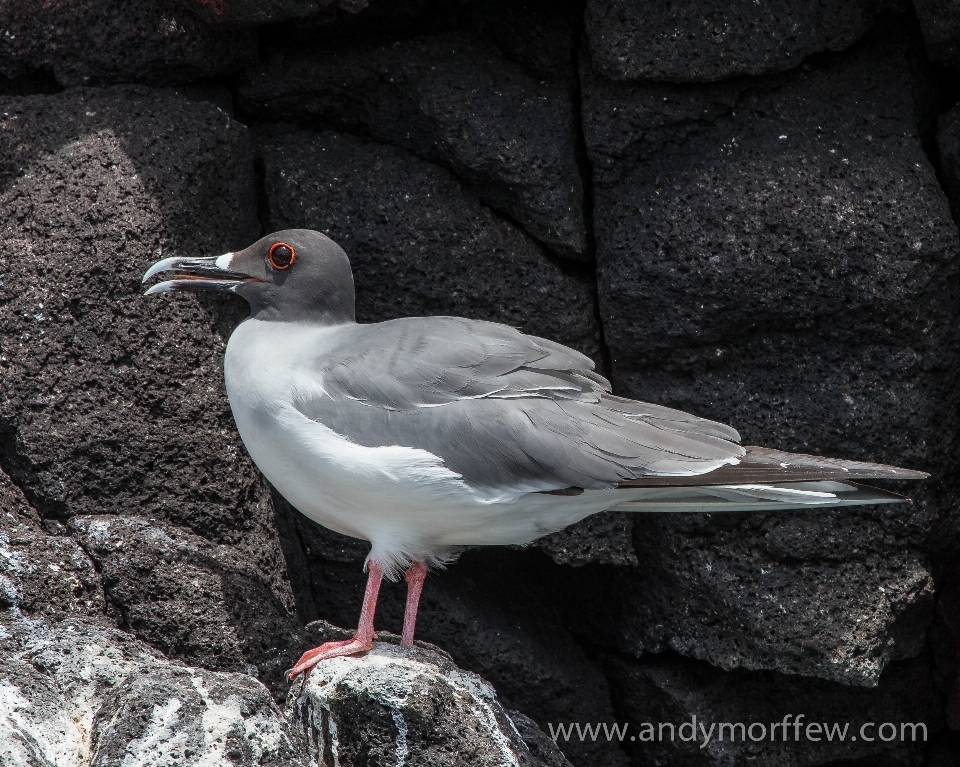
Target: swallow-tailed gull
(425,434)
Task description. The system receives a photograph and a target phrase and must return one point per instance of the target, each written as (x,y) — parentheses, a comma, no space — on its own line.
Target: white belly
(403,500)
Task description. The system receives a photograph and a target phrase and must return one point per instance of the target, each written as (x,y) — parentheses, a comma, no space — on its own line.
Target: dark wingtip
(762,465)
(855,469)
(911,474)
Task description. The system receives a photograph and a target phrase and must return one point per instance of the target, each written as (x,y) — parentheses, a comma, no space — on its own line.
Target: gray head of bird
(293,275)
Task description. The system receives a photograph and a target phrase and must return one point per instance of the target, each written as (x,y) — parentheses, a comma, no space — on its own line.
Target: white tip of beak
(160,287)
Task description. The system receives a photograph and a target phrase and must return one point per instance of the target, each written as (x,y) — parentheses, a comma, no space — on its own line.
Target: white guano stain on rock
(334,741)
(29,737)
(162,745)
(161,713)
(485,703)
(220,720)
(401,724)
(12,563)
(217,721)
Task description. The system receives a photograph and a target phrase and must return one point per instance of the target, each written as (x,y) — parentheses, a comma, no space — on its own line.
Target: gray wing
(504,409)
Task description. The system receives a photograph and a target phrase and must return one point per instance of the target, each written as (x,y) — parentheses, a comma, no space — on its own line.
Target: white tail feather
(774,497)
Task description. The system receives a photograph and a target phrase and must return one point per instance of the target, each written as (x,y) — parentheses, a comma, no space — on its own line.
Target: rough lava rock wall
(704,41)
(516,148)
(744,210)
(825,319)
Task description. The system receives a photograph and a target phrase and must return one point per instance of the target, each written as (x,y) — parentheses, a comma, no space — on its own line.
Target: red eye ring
(280,260)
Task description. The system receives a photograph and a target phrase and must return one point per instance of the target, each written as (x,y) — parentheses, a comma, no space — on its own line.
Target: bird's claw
(326,651)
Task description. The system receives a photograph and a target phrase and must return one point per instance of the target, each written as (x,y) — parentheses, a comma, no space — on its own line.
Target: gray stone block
(695,41)
(509,134)
(420,244)
(778,255)
(97,42)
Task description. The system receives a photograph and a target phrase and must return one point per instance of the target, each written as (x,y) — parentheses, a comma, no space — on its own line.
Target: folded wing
(503,409)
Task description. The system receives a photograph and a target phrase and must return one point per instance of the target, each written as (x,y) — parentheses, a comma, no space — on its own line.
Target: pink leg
(362,640)
(414,577)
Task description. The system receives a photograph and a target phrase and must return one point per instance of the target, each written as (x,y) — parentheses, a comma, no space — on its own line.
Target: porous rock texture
(728,213)
(515,148)
(41,574)
(203,602)
(399,705)
(739,209)
(781,592)
(768,208)
(248,13)
(419,244)
(940,24)
(98,392)
(703,41)
(106,41)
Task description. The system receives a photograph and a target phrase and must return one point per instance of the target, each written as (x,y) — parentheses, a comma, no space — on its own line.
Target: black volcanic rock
(192,599)
(833,594)
(697,41)
(41,574)
(779,256)
(605,538)
(249,13)
(314,14)
(418,242)
(948,144)
(542,36)
(110,401)
(945,642)
(107,394)
(940,26)
(157,42)
(509,134)
(344,19)
(814,239)
(626,123)
(677,691)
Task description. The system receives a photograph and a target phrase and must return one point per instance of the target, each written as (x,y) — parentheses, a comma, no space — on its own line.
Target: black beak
(197,274)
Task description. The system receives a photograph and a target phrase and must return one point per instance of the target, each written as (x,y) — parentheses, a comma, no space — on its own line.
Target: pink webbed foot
(330,650)
(362,641)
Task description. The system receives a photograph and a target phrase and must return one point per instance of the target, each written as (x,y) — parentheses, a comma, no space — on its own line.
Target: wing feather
(503,409)
(763,465)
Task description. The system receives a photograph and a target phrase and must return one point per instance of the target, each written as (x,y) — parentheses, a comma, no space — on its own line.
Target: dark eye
(281,255)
